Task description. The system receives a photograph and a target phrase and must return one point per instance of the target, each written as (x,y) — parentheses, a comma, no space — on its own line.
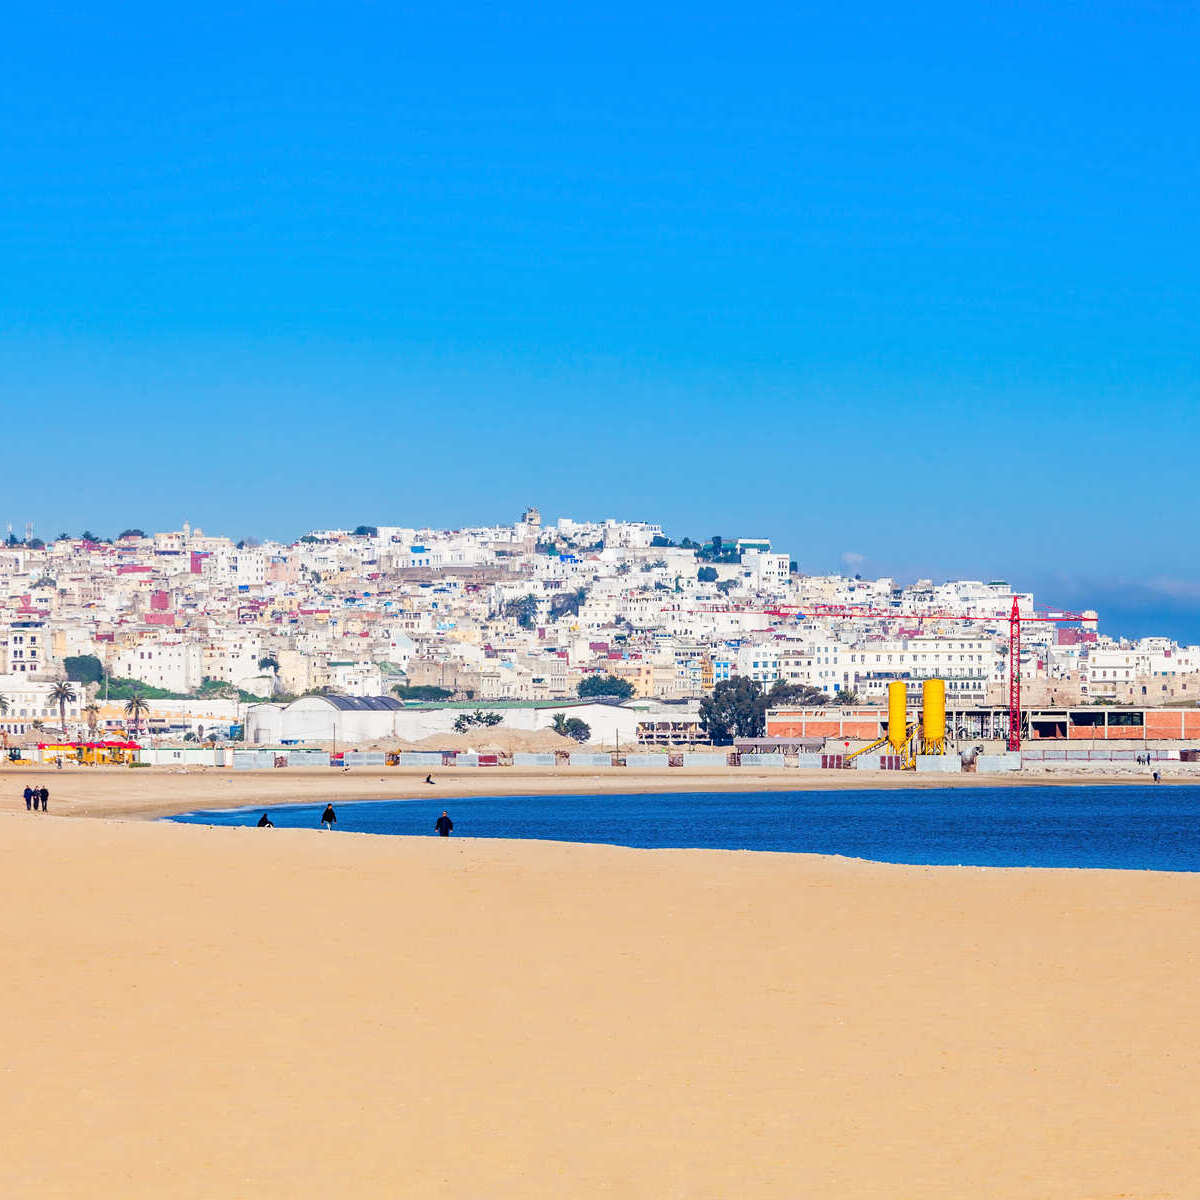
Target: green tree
(84,668)
(467,721)
(571,727)
(845,696)
(268,662)
(62,693)
(421,691)
(523,610)
(736,708)
(795,693)
(130,533)
(707,574)
(606,686)
(135,709)
(366,531)
(88,536)
(567,603)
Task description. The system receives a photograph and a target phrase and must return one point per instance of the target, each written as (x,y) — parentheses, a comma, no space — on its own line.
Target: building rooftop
(363,703)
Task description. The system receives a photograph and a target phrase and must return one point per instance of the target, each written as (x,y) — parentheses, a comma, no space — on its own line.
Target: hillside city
(202,628)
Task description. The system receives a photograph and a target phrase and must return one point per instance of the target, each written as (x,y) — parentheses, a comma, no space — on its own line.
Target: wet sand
(219,1012)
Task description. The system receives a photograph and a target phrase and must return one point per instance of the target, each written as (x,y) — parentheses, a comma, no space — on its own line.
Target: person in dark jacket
(28,797)
(444,825)
(328,817)
(265,822)
(45,794)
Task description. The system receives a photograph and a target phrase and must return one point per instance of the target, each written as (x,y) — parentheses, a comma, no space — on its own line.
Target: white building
(341,719)
(24,648)
(29,701)
(171,664)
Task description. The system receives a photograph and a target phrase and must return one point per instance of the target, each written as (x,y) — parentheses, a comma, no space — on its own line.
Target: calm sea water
(1133,827)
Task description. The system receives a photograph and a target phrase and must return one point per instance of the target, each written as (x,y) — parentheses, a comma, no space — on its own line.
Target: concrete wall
(876,762)
(253,760)
(364,758)
(589,759)
(994,764)
(1099,754)
(421,758)
(698,759)
(307,758)
(945,764)
(526,759)
(763,760)
(646,760)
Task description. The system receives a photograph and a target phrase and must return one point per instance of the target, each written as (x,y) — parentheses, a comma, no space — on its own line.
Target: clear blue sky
(740,269)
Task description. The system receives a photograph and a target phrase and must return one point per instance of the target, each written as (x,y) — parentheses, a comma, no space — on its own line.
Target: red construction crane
(1015,618)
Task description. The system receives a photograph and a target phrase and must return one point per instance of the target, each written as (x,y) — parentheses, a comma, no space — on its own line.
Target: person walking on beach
(444,825)
(28,797)
(265,822)
(45,795)
(328,817)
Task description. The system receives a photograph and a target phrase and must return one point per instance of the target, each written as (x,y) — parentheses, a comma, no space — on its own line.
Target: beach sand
(225,1012)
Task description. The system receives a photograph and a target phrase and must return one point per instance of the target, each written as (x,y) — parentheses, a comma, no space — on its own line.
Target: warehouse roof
(363,703)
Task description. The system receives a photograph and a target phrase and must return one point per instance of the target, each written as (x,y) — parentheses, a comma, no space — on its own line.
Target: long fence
(291,756)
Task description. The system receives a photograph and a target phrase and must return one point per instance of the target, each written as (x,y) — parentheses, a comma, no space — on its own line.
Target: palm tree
(63,693)
(3,705)
(92,712)
(559,724)
(136,708)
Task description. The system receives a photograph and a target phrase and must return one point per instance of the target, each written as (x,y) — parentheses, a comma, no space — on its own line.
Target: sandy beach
(228,1012)
(202,1012)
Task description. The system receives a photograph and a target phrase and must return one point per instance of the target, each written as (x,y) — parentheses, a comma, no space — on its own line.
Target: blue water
(1132,827)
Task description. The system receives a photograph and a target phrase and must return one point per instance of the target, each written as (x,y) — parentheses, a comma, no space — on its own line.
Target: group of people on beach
(35,796)
(443,826)
(1144,760)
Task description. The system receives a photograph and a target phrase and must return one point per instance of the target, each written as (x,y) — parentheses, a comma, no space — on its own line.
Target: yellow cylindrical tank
(933,715)
(897,714)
